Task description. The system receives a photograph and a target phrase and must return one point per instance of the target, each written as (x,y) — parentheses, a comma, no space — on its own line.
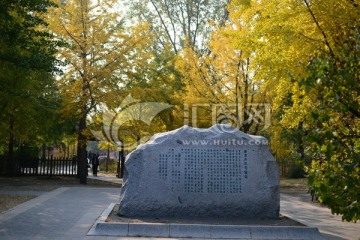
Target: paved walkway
(65,213)
(314,215)
(69,213)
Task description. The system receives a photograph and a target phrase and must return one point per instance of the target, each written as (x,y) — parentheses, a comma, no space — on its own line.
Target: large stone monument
(219,172)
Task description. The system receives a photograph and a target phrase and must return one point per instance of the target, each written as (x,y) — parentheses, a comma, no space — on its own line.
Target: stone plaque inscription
(209,171)
(168,177)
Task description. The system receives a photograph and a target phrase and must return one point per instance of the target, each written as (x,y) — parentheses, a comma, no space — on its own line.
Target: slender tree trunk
(68,151)
(246,123)
(48,152)
(237,96)
(10,164)
(122,162)
(138,140)
(107,160)
(43,151)
(301,148)
(81,155)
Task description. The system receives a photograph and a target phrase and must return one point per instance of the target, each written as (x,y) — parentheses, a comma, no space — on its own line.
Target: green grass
(112,168)
(297,185)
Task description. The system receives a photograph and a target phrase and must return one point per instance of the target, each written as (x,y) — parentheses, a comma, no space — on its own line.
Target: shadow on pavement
(332,237)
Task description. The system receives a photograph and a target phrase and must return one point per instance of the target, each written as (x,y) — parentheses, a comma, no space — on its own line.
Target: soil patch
(9,201)
(294,186)
(14,188)
(44,183)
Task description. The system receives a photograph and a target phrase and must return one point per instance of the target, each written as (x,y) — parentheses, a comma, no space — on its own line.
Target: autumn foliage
(64,64)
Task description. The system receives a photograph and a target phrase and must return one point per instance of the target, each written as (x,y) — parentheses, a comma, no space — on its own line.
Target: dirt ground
(294,186)
(8,201)
(16,190)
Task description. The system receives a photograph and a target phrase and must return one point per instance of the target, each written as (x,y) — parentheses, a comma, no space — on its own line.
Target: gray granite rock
(218,172)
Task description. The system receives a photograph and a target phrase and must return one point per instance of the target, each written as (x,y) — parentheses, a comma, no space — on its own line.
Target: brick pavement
(68,213)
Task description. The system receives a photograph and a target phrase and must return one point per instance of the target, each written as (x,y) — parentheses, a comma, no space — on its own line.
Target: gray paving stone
(55,214)
(314,215)
(70,212)
(148,230)
(110,229)
(30,204)
(190,231)
(230,232)
(299,233)
(269,232)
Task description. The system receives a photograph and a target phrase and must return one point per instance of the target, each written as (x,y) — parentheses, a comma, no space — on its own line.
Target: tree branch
(319,27)
(164,25)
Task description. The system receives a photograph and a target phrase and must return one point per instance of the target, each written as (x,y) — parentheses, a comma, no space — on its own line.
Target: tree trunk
(107,160)
(246,123)
(138,140)
(43,151)
(301,147)
(122,163)
(10,163)
(81,155)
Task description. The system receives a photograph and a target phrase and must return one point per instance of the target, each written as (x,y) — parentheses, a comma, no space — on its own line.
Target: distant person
(74,162)
(95,164)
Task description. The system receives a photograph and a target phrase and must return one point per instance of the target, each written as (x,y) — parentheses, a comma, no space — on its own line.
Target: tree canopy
(286,69)
(308,56)
(27,61)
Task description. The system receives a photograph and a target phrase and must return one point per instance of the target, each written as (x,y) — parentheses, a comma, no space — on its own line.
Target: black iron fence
(47,167)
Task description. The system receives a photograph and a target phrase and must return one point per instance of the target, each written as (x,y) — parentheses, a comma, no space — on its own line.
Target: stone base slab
(175,230)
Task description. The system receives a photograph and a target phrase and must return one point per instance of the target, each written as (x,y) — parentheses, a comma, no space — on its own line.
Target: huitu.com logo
(229,117)
(131,110)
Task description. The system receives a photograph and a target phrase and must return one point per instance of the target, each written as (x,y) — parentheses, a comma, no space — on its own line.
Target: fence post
(19,166)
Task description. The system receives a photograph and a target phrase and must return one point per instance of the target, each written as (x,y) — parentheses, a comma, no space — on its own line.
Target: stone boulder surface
(217,172)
